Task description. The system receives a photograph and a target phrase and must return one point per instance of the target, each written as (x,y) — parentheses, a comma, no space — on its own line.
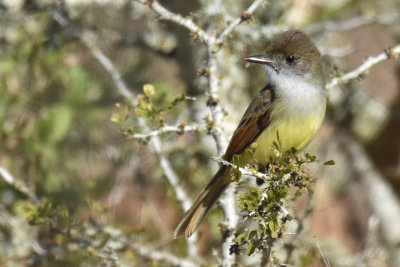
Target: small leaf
(176,100)
(251,248)
(310,157)
(241,238)
(252,234)
(329,162)
(148,90)
(271,225)
(254,192)
(235,159)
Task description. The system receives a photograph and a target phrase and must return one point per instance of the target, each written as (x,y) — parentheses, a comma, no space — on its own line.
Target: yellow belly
(294,132)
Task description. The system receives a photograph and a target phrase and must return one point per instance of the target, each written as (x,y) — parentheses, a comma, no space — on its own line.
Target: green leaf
(235,159)
(252,234)
(329,162)
(271,226)
(310,157)
(32,214)
(254,192)
(241,238)
(176,100)
(251,248)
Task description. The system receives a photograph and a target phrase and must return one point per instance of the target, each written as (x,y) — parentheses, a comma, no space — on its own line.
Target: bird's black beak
(259,59)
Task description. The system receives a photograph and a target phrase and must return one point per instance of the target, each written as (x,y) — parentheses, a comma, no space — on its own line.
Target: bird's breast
(296,121)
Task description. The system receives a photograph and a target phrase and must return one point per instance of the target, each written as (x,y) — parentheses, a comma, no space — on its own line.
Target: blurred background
(66,128)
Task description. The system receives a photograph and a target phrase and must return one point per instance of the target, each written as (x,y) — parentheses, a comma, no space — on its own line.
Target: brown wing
(254,121)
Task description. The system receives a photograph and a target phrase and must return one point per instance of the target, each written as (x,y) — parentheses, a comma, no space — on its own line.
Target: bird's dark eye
(290,59)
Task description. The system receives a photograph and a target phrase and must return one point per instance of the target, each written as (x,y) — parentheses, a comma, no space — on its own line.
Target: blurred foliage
(265,208)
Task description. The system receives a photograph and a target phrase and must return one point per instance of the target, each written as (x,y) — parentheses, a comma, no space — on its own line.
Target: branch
(383,200)
(369,63)
(300,227)
(162,255)
(326,262)
(180,130)
(266,253)
(353,23)
(99,55)
(245,16)
(165,14)
(243,171)
(18,185)
(125,92)
(168,171)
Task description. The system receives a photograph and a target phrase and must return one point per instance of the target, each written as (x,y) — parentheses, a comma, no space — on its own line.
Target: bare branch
(300,227)
(243,171)
(162,255)
(169,172)
(124,91)
(165,14)
(326,262)
(217,113)
(352,23)
(180,130)
(381,196)
(245,16)
(266,253)
(369,63)
(18,185)
(99,55)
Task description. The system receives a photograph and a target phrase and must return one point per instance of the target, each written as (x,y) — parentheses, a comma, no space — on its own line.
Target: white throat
(295,93)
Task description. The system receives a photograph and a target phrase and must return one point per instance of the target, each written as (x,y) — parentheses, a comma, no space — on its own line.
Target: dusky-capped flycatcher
(292,104)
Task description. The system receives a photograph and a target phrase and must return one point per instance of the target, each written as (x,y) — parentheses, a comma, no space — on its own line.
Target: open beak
(259,59)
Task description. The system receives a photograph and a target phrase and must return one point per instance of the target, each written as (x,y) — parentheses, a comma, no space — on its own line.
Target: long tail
(206,199)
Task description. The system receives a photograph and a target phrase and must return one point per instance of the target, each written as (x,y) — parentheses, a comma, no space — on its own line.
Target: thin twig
(326,262)
(245,16)
(245,170)
(18,185)
(125,92)
(169,129)
(369,63)
(162,255)
(381,196)
(300,227)
(169,172)
(165,14)
(99,55)
(352,23)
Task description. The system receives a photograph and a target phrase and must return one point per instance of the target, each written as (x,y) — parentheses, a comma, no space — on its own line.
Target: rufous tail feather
(206,199)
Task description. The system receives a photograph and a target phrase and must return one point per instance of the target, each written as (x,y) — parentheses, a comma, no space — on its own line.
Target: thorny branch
(245,16)
(124,91)
(369,63)
(162,255)
(352,23)
(18,185)
(165,14)
(244,171)
(212,43)
(169,129)
(388,207)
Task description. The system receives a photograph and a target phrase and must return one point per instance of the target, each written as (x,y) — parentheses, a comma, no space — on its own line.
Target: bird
(292,106)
